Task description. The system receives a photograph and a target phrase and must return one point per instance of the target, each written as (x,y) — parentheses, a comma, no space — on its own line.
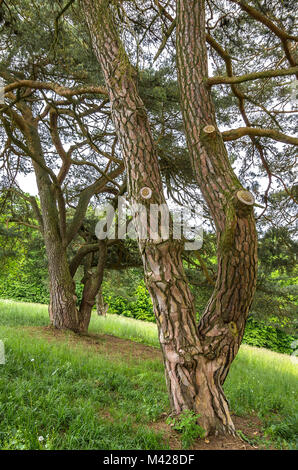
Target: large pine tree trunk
(63,310)
(195,359)
(222,325)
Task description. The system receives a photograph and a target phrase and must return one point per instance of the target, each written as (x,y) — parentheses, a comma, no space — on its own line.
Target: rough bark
(222,325)
(196,359)
(164,273)
(63,310)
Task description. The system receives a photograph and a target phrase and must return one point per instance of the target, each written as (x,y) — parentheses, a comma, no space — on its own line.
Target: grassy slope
(77,400)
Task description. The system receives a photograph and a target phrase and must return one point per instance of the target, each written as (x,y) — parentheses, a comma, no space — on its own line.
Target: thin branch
(20,222)
(280,33)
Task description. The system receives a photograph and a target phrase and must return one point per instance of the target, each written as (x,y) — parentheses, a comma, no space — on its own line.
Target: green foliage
(187,424)
(23,274)
(283,430)
(278,251)
(257,333)
(20,288)
(140,307)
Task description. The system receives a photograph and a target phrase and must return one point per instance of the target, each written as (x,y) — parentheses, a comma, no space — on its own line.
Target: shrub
(139,307)
(29,291)
(258,333)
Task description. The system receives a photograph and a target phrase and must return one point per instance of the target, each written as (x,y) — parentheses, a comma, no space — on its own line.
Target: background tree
(46,129)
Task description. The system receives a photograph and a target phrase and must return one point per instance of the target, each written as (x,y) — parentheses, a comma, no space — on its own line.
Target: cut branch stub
(244,202)
(209,129)
(245,197)
(146,192)
(209,132)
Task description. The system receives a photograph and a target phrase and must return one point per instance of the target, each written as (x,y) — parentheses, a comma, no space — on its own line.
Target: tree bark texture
(101,305)
(196,359)
(222,326)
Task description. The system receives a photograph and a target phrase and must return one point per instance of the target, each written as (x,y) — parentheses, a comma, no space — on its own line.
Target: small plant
(187,424)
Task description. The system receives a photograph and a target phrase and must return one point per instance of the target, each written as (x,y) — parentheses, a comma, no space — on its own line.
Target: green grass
(23,314)
(26,314)
(78,398)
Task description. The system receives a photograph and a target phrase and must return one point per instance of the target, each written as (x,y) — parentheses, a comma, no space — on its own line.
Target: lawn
(60,391)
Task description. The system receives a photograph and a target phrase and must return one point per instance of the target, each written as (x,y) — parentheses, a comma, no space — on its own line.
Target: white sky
(28,184)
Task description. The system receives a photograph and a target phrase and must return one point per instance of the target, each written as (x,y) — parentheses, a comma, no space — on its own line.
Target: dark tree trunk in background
(101,305)
(92,284)
(196,359)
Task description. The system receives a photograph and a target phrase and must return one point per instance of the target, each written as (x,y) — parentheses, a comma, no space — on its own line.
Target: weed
(187,424)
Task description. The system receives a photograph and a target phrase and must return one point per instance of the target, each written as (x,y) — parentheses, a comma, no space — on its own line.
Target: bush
(31,291)
(28,290)
(257,333)
(187,424)
(139,307)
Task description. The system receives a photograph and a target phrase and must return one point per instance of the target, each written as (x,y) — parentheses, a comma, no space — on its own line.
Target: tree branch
(280,33)
(77,259)
(234,134)
(58,89)
(251,76)
(84,200)
(20,222)
(65,157)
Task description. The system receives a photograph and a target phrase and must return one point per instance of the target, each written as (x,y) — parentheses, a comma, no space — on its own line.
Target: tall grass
(72,398)
(129,328)
(26,314)
(80,398)
(23,314)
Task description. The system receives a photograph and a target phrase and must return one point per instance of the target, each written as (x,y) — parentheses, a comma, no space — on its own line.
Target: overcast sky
(28,184)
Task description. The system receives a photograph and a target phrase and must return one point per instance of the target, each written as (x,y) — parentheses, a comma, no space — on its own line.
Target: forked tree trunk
(194,358)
